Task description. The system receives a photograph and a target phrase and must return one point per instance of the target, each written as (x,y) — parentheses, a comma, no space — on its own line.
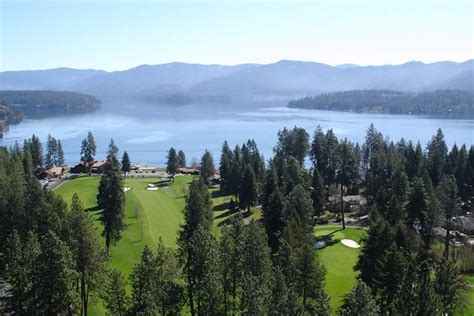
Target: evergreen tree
(51,152)
(114,293)
(198,212)
(248,190)
(144,286)
(172,163)
(359,302)
(112,199)
(449,201)
(20,272)
(347,171)
(36,151)
(181,159)
(318,193)
(204,272)
(88,150)
(293,143)
(436,157)
(257,271)
(207,167)
(60,154)
(309,281)
(448,285)
(56,292)
(298,212)
(126,163)
(87,254)
(273,218)
(236,172)
(225,169)
(284,299)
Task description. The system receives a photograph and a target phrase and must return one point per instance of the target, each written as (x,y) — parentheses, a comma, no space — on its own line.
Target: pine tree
(88,150)
(284,299)
(112,199)
(114,293)
(236,172)
(126,163)
(36,151)
(172,163)
(359,302)
(449,201)
(204,271)
(197,212)
(225,169)
(20,271)
(144,287)
(207,167)
(51,152)
(318,193)
(56,293)
(60,154)
(448,285)
(273,218)
(347,171)
(298,212)
(257,271)
(436,157)
(248,190)
(181,159)
(87,254)
(309,281)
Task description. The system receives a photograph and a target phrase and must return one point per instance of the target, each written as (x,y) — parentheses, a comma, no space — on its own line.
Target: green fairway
(339,261)
(159,215)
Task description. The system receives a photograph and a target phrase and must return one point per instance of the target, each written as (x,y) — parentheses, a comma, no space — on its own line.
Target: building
(52,173)
(351,203)
(192,171)
(98,166)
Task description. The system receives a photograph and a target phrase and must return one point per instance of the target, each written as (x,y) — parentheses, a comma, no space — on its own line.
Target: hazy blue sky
(116,35)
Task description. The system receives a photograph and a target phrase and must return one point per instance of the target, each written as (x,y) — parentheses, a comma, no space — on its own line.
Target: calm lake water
(147,131)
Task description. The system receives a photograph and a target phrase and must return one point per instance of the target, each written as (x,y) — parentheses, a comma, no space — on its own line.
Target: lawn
(149,216)
(339,261)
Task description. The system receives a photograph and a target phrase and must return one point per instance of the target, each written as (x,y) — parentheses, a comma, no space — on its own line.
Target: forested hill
(8,115)
(49,103)
(440,102)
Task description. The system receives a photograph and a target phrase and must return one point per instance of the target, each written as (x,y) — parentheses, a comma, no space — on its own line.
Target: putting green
(339,260)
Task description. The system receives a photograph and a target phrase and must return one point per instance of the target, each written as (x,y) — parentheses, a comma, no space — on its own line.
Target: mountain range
(284,79)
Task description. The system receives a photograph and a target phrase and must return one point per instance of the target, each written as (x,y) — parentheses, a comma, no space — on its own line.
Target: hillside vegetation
(440,102)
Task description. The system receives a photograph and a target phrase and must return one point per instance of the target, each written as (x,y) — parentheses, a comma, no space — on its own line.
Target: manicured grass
(468,309)
(159,215)
(339,261)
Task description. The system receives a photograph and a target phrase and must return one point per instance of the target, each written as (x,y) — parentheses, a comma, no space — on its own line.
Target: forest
(53,262)
(437,103)
(44,103)
(9,115)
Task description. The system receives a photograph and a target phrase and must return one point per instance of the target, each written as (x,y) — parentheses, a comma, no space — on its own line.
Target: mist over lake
(148,131)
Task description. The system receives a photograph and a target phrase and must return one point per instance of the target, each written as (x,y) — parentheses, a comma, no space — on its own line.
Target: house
(215,179)
(98,166)
(55,172)
(79,168)
(350,203)
(192,171)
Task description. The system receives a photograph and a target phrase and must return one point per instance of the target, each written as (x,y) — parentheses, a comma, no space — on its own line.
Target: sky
(117,35)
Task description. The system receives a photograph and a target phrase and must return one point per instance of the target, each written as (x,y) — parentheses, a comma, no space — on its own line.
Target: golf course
(157,214)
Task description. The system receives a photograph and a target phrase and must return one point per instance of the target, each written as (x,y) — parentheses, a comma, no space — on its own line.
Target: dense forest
(438,103)
(9,115)
(52,262)
(44,103)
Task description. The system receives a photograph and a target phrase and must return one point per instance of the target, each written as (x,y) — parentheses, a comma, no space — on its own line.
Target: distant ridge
(284,79)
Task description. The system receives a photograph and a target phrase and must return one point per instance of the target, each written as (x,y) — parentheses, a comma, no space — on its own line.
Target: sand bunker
(350,243)
(126,189)
(152,187)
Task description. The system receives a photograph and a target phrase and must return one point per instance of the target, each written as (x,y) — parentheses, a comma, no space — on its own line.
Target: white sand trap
(350,243)
(126,189)
(319,244)
(152,187)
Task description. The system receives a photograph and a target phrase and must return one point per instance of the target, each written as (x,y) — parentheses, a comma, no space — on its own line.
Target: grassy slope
(339,261)
(160,214)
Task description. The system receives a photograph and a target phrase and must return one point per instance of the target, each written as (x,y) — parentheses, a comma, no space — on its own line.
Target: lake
(148,131)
